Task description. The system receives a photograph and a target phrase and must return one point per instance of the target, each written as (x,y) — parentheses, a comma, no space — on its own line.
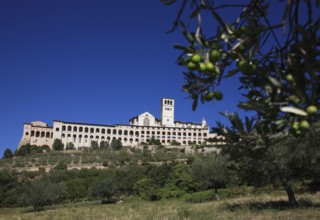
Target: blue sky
(91,61)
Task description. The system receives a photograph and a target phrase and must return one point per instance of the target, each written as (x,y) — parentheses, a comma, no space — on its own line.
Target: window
(97,130)
(63,128)
(69,128)
(32,133)
(80,129)
(57,129)
(146,122)
(27,133)
(75,129)
(103,131)
(91,130)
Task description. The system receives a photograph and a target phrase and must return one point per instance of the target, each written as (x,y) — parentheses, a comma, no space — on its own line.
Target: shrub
(198,197)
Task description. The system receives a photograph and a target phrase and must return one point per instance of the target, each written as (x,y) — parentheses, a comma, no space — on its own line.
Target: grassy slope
(262,207)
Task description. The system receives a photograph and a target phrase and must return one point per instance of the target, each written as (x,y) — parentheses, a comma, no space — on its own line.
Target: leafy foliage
(116,144)
(7,153)
(57,145)
(41,193)
(105,189)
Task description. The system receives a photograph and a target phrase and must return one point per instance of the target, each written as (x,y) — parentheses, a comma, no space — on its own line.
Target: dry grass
(262,207)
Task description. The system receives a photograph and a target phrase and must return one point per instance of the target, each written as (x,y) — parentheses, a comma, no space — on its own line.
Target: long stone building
(141,129)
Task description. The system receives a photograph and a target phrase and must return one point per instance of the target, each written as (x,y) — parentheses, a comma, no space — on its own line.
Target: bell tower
(167,112)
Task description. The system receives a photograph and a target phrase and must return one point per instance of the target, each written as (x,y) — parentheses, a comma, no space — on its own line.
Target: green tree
(57,145)
(116,144)
(70,146)
(41,193)
(212,172)
(276,62)
(104,144)
(7,153)
(105,189)
(94,145)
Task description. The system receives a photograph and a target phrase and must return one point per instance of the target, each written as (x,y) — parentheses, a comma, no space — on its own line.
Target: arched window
(75,129)
(103,131)
(97,130)
(142,132)
(114,131)
(27,133)
(91,130)
(131,132)
(97,137)
(32,133)
(63,128)
(80,137)
(86,129)
(48,134)
(137,140)
(125,139)
(80,129)
(108,131)
(42,134)
(74,138)
(125,132)
(146,122)
(91,136)
(120,132)
(69,135)
(69,128)
(137,133)
(63,135)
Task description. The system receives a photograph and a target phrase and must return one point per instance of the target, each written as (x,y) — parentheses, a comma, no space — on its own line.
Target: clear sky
(91,61)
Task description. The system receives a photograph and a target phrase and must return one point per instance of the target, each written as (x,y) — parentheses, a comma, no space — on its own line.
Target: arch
(102,138)
(91,136)
(63,128)
(63,135)
(97,130)
(137,133)
(32,133)
(75,129)
(125,132)
(173,133)
(80,138)
(69,128)
(169,133)
(57,129)
(91,130)
(125,139)
(189,134)
(86,136)
(97,137)
(69,135)
(146,122)
(114,131)
(48,134)
(130,139)
(42,134)
(131,132)
(27,133)
(74,138)
(153,133)
(109,131)
(120,132)
(103,131)
(119,139)
(136,140)
(163,141)
(184,142)
(80,129)
(199,134)
(86,129)
(108,138)
(163,133)
(194,134)
(179,133)
(158,132)
(148,132)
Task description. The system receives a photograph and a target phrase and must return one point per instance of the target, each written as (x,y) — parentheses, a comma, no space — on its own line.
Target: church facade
(140,129)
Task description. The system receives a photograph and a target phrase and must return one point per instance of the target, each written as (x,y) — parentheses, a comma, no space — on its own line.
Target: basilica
(140,129)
